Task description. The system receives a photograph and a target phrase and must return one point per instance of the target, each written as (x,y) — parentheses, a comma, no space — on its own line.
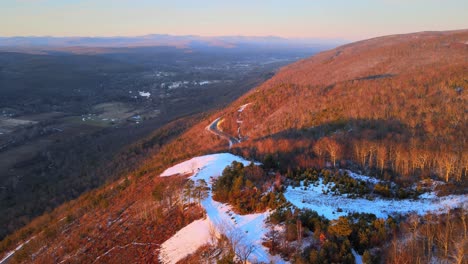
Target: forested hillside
(391,107)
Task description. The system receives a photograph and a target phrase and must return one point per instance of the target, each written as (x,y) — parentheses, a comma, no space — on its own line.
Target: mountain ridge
(335,96)
(101,44)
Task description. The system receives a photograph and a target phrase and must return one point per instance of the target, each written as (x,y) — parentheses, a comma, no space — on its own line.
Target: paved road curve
(213,128)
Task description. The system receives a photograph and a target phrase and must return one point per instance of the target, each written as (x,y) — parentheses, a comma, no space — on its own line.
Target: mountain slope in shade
(397,98)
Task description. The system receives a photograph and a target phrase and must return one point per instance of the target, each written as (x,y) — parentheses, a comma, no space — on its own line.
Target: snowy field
(219,215)
(252,226)
(185,241)
(327,205)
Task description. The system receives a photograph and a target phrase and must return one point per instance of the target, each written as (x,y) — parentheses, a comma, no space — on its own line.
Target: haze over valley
(92,105)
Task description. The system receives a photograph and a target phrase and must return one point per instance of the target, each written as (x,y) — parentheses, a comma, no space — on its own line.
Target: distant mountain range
(189,41)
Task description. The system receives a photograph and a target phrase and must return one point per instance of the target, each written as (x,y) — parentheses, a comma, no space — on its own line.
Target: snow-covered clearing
(327,205)
(208,165)
(186,241)
(252,226)
(219,215)
(363,177)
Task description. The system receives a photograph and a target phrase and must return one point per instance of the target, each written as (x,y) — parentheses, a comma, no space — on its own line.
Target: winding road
(213,128)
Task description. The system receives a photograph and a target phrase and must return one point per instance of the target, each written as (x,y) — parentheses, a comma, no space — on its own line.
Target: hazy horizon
(350,20)
(174,35)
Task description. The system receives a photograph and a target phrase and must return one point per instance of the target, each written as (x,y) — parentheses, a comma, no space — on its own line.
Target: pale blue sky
(350,19)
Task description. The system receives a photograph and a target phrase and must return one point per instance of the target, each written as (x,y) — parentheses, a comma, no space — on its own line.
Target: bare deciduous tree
(459,251)
(329,146)
(381,156)
(447,163)
(244,250)
(273,237)
(241,246)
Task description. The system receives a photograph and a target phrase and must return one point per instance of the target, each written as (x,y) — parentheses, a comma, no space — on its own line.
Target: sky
(344,19)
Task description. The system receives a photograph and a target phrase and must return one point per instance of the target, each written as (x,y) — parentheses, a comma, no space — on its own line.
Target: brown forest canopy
(395,104)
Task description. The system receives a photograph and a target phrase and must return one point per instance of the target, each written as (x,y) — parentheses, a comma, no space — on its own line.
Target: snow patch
(242,107)
(10,253)
(145,94)
(186,241)
(219,215)
(205,166)
(363,177)
(357,257)
(205,82)
(177,84)
(328,204)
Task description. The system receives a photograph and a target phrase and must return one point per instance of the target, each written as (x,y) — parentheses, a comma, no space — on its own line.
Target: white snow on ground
(9,254)
(363,177)
(201,83)
(145,94)
(175,85)
(206,82)
(327,204)
(357,257)
(186,241)
(209,165)
(218,214)
(252,226)
(242,108)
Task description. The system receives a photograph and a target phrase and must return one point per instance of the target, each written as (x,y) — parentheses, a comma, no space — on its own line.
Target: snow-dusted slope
(242,107)
(328,204)
(252,226)
(186,241)
(204,166)
(219,215)
(10,254)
